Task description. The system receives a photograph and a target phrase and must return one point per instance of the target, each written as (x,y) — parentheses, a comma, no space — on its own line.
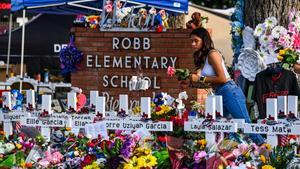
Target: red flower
(158,108)
(88,159)
(105,142)
(162,139)
(177,121)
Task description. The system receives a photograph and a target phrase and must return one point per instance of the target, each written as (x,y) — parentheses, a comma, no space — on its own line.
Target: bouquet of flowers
(288,57)
(182,74)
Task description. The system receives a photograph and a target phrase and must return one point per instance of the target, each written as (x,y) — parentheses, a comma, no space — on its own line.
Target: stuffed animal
(16,100)
(108,6)
(142,17)
(121,13)
(93,21)
(164,17)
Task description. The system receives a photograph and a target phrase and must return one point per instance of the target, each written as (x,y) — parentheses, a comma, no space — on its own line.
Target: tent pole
(9,45)
(22,50)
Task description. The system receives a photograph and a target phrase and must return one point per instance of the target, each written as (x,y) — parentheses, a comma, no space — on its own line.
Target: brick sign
(112,58)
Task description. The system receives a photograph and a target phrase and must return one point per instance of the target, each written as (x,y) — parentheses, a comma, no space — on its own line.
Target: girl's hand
(194,77)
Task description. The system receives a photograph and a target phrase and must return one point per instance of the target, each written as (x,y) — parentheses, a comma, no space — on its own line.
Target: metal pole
(22,49)
(9,45)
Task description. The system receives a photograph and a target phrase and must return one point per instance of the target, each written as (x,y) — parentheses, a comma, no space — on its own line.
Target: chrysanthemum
(277,31)
(259,30)
(271,22)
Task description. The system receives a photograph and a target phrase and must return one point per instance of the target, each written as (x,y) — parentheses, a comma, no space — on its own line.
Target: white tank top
(208,70)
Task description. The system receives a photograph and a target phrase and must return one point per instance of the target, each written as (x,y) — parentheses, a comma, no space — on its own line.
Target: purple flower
(125,150)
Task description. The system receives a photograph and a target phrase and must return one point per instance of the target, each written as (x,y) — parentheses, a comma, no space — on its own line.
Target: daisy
(259,30)
(271,22)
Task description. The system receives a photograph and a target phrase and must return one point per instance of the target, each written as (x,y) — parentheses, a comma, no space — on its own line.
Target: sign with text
(13,116)
(135,125)
(214,127)
(271,129)
(112,59)
(45,122)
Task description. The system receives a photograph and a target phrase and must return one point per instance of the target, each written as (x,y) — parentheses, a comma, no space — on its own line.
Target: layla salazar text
(123,81)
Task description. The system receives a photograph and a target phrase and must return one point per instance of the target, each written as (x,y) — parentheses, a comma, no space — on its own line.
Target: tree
(256,11)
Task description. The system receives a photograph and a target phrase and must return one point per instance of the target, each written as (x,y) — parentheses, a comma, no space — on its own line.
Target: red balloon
(81,100)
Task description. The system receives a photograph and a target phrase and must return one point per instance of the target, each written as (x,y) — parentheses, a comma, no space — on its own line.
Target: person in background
(297,68)
(214,73)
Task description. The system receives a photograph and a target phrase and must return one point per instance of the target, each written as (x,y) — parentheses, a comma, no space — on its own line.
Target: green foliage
(182,74)
(163,159)
(281,156)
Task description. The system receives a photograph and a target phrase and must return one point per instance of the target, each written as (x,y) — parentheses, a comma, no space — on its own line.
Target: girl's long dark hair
(201,54)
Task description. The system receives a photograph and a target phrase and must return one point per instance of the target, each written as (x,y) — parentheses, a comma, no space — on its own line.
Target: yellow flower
(68,128)
(150,160)
(268,146)
(279,57)
(221,166)
(267,167)
(94,165)
(281,52)
(136,110)
(141,162)
(133,163)
(263,158)
(202,142)
(19,146)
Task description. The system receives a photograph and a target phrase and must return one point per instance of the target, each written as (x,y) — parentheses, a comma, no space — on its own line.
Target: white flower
(168,100)
(264,40)
(183,95)
(277,31)
(271,22)
(259,30)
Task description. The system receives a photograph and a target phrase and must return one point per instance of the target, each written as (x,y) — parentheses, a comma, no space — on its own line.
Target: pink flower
(296,41)
(292,27)
(57,157)
(171,71)
(199,155)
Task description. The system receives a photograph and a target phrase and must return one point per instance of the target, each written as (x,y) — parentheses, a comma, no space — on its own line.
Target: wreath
(70,57)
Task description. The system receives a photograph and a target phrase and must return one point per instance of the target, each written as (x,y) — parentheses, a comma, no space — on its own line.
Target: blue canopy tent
(67,7)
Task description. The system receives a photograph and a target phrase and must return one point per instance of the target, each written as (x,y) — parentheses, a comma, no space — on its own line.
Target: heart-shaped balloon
(81,100)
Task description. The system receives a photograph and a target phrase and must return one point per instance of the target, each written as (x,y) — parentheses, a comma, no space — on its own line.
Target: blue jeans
(234,103)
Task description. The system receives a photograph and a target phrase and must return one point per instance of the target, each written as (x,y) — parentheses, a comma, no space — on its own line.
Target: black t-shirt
(271,83)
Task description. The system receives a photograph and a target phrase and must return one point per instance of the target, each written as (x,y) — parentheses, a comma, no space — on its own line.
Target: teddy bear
(122,12)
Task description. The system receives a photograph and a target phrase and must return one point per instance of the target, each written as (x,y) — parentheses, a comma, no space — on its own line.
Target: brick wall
(169,44)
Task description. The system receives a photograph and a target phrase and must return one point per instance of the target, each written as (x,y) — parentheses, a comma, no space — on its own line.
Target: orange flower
(2,132)
(68,128)
(28,165)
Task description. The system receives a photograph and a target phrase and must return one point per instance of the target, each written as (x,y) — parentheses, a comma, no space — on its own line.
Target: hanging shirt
(268,84)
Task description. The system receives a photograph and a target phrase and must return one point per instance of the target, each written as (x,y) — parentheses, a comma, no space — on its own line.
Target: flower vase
(174,145)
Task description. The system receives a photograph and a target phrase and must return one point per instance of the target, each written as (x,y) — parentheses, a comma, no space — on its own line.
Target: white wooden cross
(30,98)
(212,104)
(123,102)
(93,96)
(46,106)
(72,101)
(7,125)
(273,107)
